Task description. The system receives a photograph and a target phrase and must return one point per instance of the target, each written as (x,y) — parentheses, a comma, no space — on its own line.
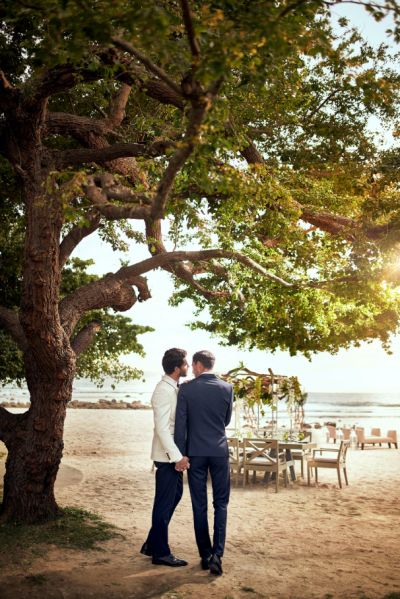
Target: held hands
(183,464)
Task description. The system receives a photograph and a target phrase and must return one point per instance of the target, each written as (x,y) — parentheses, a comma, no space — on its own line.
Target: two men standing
(203,410)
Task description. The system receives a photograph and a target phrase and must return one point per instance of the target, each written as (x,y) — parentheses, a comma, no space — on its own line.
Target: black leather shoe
(216,565)
(169,560)
(205,563)
(145,550)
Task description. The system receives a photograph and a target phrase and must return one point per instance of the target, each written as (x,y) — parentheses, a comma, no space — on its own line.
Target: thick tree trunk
(35,452)
(36,445)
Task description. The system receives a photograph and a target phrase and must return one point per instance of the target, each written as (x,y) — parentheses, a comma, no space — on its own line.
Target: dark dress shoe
(145,550)
(205,563)
(216,565)
(169,560)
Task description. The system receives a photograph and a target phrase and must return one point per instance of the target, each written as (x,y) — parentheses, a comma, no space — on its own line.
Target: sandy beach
(302,543)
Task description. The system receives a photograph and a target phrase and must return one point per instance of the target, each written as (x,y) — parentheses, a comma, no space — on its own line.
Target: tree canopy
(247,128)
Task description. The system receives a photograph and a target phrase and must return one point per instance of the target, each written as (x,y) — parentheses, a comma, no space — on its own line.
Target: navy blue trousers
(169,489)
(220,480)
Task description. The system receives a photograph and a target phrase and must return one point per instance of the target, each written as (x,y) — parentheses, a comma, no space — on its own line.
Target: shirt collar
(169,380)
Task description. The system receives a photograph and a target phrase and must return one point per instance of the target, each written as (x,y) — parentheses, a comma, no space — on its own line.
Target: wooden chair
(332,432)
(346,433)
(265,456)
(375,438)
(392,435)
(235,447)
(337,462)
(302,455)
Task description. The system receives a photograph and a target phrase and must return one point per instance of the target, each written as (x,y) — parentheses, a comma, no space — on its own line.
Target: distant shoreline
(101,404)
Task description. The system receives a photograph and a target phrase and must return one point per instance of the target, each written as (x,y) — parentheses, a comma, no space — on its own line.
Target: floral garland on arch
(259,392)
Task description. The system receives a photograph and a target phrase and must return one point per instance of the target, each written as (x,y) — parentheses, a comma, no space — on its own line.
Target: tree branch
(197,113)
(335,224)
(161,92)
(85,337)
(143,288)
(147,63)
(291,8)
(331,223)
(115,191)
(92,134)
(107,292)
(118,105)
(76,234)
(204,291)
(379,232)
(184,271)
(7,91)
(359,3)
(322,104)
(5,85)
(61,78)
(154,88)
(86,155)
(350,228)
(251,154)
(9,321)
(99,200)
(115,291)
(64,77)
(325,284)
(64,123)
(75,125)
(194,256)
(187,19)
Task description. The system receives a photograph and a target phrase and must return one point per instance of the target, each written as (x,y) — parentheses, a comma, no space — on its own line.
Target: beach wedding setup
(258,403)
(268,432)
(264,436)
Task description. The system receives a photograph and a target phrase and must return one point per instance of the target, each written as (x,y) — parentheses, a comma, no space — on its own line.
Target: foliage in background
(256,389)
(296,92)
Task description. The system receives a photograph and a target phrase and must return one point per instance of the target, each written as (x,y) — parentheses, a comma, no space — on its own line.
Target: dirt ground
(316,542)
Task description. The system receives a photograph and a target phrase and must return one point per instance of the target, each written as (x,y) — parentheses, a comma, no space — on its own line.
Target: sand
(302,543)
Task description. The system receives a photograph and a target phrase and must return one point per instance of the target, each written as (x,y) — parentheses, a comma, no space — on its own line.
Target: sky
(364,369)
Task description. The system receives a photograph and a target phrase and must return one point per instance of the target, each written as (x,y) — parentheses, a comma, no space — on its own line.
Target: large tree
(246,126)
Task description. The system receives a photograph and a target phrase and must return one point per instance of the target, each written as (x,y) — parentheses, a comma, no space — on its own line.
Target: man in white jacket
(168,460)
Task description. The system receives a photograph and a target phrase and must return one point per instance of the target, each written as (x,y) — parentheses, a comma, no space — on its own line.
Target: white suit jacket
(163,402)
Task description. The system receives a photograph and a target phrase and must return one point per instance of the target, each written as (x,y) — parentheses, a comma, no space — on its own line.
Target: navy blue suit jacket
(203,410)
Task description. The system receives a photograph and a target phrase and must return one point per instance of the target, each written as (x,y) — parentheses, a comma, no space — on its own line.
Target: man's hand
(183,464)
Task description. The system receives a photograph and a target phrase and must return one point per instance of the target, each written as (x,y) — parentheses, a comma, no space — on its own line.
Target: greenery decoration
(259,391)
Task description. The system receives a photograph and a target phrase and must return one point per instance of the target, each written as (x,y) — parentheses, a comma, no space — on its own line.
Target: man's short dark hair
(205,357)
(173,358)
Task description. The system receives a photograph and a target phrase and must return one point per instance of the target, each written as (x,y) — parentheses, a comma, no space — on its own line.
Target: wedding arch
(255,393)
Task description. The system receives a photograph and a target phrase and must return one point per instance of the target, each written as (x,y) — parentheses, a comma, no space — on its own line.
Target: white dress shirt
(163,402)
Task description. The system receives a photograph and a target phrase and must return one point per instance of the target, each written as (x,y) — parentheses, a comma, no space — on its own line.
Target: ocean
(346,409)
(368,410)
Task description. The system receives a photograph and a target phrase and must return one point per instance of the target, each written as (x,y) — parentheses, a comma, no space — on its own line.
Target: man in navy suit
(203,411)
